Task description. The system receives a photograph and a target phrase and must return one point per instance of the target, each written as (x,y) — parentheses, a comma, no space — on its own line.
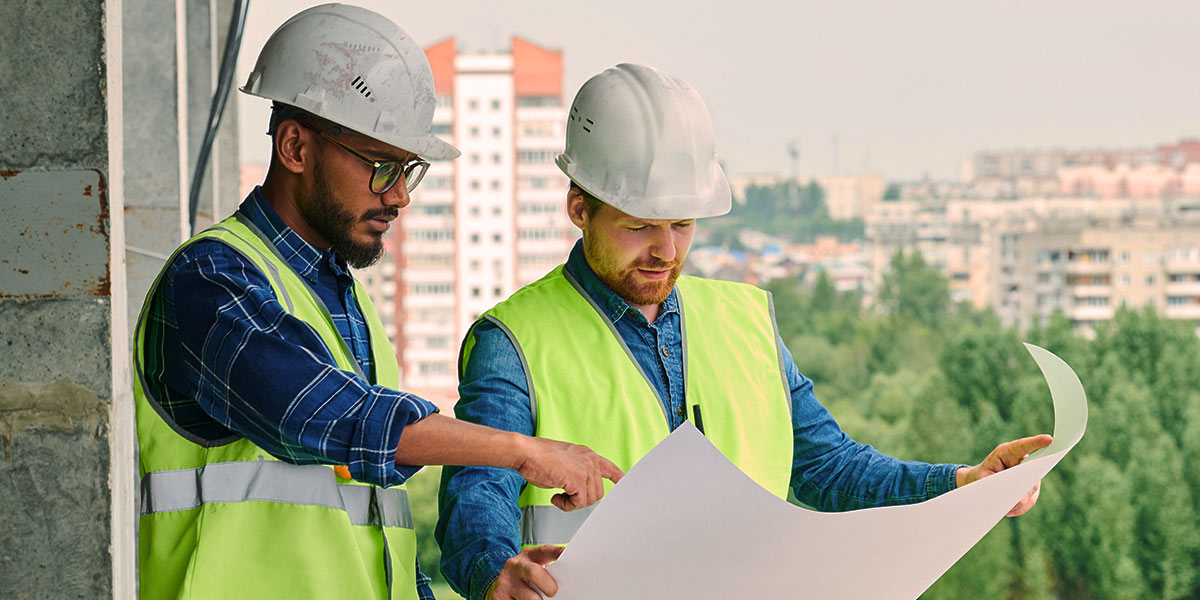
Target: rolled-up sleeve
(266,375)
(832,472)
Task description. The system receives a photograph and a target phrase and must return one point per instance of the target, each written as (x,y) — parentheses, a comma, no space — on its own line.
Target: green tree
(912,289)
(423,498)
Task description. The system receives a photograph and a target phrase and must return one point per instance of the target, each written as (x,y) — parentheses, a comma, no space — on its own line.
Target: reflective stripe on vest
(542,524)
(587,388)
(269,481)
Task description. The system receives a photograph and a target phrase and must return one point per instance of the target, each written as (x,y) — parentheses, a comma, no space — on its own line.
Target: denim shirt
(479,526)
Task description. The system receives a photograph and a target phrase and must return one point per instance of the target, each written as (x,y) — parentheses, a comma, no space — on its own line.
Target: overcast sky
(906,88)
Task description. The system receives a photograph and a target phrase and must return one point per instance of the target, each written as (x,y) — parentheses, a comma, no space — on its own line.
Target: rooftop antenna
(793,150)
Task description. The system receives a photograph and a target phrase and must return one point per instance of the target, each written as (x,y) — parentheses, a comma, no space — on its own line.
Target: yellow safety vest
(224,519)
(586,387)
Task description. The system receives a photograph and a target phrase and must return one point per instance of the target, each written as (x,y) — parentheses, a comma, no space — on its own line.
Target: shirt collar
(613,305)
(304,258)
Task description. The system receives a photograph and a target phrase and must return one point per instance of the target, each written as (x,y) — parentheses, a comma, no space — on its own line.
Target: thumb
(1012,453)
(565,502)
(544,555)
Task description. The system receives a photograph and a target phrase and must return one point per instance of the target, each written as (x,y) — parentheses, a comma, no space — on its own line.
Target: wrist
(521,451)
(960,476)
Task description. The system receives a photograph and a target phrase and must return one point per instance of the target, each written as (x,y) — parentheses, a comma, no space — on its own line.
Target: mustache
(381,213)
(656,264)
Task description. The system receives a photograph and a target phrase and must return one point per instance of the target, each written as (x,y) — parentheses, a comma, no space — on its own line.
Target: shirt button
(666,353)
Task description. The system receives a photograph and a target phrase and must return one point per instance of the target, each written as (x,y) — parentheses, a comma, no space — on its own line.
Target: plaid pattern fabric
(223,359)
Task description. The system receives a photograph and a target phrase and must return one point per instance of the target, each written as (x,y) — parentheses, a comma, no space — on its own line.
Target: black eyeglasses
(385,173)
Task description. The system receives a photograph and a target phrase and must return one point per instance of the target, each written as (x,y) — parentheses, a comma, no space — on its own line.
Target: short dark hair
(591,203)
(281,112)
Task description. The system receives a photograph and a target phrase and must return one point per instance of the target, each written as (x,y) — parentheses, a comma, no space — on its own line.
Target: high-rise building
(483,225)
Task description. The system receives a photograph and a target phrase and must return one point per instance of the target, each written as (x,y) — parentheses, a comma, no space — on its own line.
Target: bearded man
(614,349)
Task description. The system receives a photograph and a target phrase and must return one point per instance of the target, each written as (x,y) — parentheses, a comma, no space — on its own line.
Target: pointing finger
(610,471)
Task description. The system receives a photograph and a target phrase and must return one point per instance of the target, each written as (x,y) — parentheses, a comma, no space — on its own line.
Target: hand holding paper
(1007,455)
(690,504)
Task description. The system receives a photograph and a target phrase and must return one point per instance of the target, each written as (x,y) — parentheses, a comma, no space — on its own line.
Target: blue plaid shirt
(279,385)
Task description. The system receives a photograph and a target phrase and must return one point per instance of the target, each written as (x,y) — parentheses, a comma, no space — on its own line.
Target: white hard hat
(641,140)
(356,68)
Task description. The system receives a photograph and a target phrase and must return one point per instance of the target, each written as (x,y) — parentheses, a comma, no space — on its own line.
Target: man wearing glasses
(261,362)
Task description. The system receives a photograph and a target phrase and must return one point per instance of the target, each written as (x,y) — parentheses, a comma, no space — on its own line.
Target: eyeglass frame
(406,168)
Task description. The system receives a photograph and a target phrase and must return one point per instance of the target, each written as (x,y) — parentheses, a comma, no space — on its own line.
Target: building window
(495,132)
(440,129)
(533,182)
(495,184)
(496,158)
(474,132)
(537,157)
(433,368)
(474,238)
(430,261)
(475,185)
(539,234)
(431,235)
(432,209)
(441,182)
(497,292)
(497,238)
(474,211)
(475,265)
(537,128)
(473,104)
(496,211)
(495,104)
(1124,257)
(1151,280)
(475,292)
(537,101)
(474,158)
(437,341)
(432,289)
(539,208)
(444,100)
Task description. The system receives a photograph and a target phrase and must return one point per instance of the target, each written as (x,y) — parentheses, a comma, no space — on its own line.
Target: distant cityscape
(1025,232)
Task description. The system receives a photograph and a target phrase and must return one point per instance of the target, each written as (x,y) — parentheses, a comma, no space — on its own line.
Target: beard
(335,224)
(624,280)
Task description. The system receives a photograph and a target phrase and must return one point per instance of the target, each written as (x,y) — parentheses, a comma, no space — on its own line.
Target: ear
(576,208)
(293,146)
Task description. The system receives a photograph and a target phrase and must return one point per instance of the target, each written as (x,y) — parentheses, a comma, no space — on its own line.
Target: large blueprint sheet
(686,523)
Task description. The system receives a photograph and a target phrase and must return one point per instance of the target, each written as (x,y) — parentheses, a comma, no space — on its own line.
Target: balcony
(1085,290)
(1090,313)
(1080,267)
(1185,311)
(1187,288)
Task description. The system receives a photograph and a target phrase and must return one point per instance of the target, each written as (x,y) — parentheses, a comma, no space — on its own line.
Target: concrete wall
(90,205)
(58,317)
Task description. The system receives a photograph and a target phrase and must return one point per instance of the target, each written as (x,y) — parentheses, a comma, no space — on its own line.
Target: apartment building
(1089,269)
(1027,258)
(483,225)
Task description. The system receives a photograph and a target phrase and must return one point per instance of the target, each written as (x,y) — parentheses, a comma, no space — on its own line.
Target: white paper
(686,523)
